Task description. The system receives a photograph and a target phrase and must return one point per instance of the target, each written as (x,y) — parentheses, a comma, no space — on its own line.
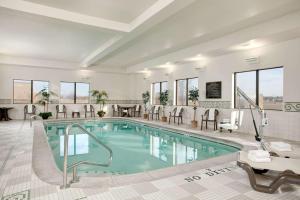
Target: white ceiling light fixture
(249,45)
(195,58)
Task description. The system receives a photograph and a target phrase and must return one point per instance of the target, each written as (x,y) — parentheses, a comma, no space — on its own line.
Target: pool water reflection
(136,147)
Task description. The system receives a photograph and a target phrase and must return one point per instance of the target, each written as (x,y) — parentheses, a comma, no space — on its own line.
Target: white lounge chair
(288,171)
(235,121)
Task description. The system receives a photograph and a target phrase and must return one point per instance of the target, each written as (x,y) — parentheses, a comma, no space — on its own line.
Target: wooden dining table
(4,113)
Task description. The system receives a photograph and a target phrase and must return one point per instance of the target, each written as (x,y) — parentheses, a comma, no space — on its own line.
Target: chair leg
(201,124)
(206,124)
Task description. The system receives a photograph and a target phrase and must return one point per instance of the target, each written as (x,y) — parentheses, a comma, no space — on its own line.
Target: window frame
(187,89)
(74,97)
(160,84)
(31,89)
(256,87)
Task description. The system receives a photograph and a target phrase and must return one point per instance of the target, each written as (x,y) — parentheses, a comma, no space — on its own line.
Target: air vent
(253,60)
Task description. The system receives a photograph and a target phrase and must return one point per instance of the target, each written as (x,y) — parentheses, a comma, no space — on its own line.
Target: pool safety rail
(74,166)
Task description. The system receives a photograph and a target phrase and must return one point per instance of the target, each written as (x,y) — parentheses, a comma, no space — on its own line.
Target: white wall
(115,84)
(282,124)
(130,87)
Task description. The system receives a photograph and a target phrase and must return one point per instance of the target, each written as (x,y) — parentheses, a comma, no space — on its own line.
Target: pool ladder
(74,166)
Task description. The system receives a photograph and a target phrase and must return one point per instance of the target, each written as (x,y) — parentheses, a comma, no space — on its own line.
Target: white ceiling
(134,34)
(116,10)
(25,35)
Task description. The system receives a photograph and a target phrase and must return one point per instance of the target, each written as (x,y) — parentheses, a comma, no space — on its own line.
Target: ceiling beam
(274,30)
(158,12)
(46,11)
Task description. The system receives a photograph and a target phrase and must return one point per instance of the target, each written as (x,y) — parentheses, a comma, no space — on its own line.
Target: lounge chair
(116,110)
(210,115)
(154,111)
(136,110)
(234,123)
(30,110)
(294,153)
(61,109)
(288,171)
(89,109)
(176,113)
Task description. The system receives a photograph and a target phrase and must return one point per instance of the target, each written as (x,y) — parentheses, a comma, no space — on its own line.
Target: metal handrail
(75,165)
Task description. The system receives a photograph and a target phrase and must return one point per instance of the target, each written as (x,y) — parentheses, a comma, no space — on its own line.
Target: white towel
(255,159)
(281,146)
(88,108)
(60,108)
(156,109)
(211,114)
(29,108)
(178,111)
(116,108)
(137,108)
(259,154)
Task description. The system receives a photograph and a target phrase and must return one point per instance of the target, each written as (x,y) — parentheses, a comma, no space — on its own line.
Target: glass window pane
(246,81)
(164,86)
(192,84)
(22,91)
(271,88)
(156,93)
(66,92)
(82,92)
(37,87)
(181,92)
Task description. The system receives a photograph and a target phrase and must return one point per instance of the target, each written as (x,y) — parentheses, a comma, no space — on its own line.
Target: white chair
(235,121)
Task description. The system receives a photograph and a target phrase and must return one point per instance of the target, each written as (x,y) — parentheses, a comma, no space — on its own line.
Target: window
(271,89)
(182,88)
(73,92)
(264,87)
(157,88)
(25,90)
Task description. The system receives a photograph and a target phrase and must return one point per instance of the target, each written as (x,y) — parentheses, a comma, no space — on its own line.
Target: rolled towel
(281,146)
(260,154)
(255,159)
(29,108)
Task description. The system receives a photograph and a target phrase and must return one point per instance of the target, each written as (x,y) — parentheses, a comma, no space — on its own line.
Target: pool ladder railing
(74,166)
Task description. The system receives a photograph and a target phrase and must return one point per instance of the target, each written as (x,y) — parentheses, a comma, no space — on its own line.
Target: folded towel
(178,111)
(255,159)
(88,108)
(260,154)
(137,108)
(156,109)
(211,114)
(281,146)
(29,108)
(60,108)
(116,108)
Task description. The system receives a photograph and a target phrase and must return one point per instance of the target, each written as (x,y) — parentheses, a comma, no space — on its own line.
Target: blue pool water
(136,147)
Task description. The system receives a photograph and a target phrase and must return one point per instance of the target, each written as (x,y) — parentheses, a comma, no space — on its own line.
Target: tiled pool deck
(18,181)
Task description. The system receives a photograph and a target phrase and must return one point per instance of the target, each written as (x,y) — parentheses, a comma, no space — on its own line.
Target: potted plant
(44,100)
(194,96)
(146,99)
(101,98)
(164,97)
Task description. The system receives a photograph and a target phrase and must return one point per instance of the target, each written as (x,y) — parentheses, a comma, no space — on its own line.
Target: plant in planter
(101,98)
(44,100)
(194,96)
(164,97)
(146,99)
